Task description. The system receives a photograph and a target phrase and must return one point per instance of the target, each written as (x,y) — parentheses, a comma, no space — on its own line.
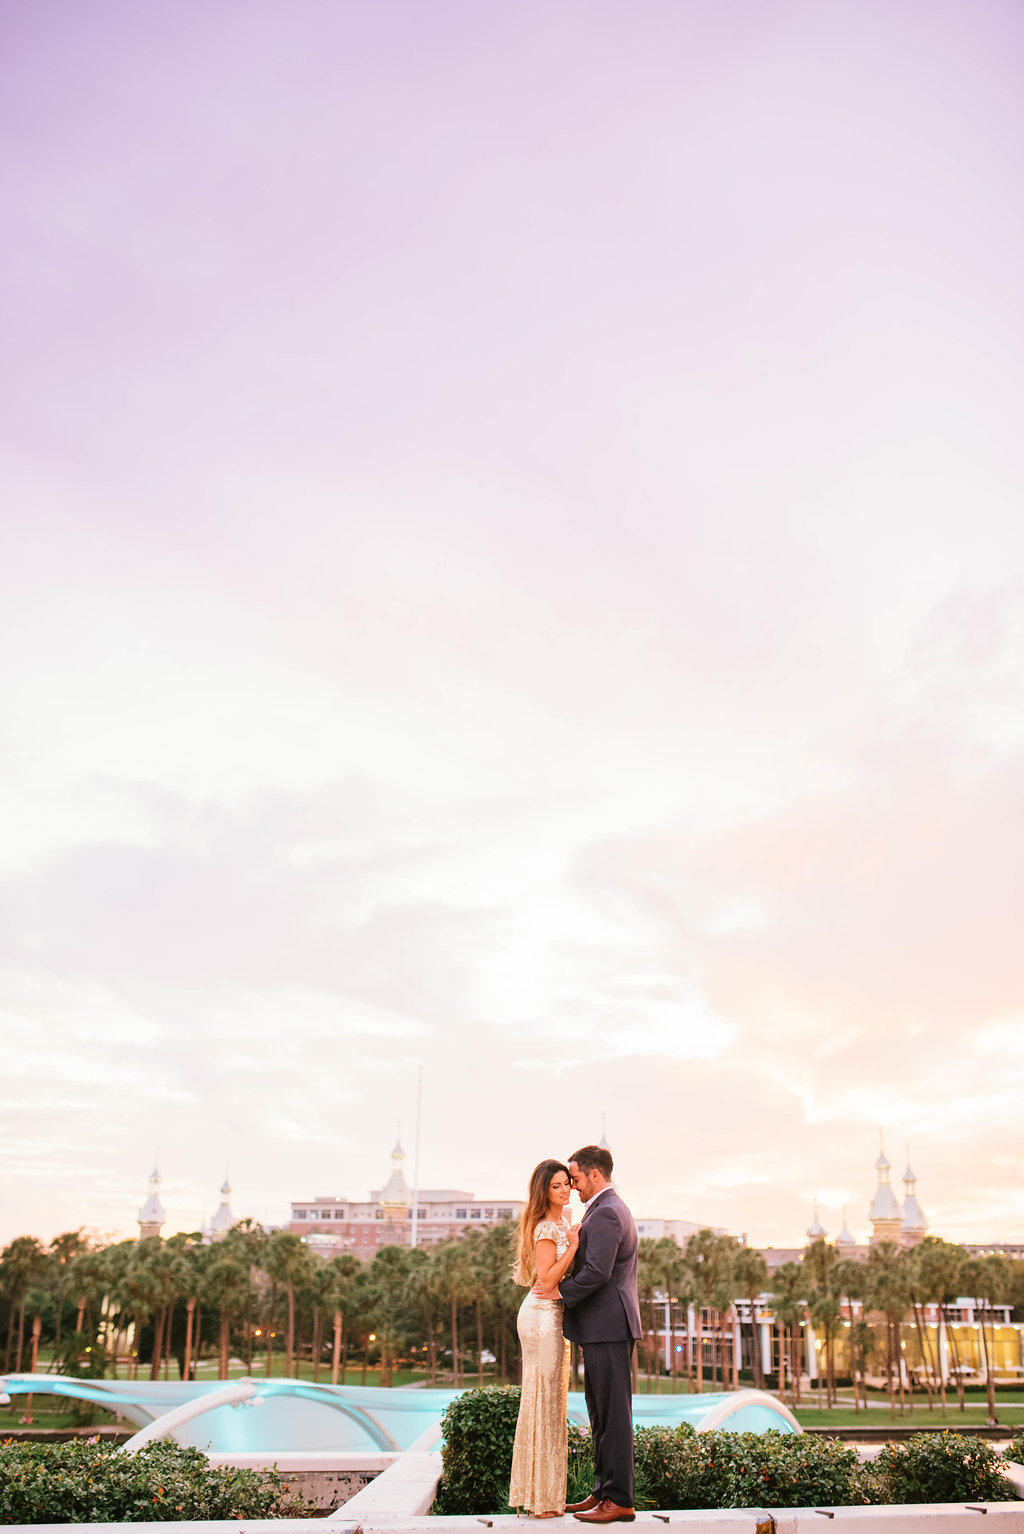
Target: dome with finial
(151,1215)
(844,1239)
(914,1221)
(223,1220)
(396,1194)
(815,1231)
(885,1213)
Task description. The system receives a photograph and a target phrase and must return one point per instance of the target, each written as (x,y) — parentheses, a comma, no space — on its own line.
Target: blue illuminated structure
(282,1415)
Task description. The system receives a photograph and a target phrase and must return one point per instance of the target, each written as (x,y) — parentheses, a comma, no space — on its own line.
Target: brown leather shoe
(583,1507)
(607,1512)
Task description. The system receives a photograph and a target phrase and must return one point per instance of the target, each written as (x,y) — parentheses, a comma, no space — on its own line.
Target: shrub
(1015,1449)
(674,1469)
(941,1467)
(684,1469)
(88,1482)
(479,1430)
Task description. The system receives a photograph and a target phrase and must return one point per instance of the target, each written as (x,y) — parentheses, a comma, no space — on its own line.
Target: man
(602,1314)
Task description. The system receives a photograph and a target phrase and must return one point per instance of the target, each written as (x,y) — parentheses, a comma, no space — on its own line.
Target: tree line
(450,1309)
(153,1304)
(893,1286)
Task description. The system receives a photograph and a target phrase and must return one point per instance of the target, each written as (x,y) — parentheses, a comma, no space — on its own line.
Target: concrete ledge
(942,1518)
(405,1490)
(930,1518)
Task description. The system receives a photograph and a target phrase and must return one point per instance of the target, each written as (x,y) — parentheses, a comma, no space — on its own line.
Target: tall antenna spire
(416,1159)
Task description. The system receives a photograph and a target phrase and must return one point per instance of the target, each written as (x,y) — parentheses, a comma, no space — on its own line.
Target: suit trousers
(607,1386)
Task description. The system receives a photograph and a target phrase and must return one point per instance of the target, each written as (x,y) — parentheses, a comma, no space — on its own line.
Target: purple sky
(513,559)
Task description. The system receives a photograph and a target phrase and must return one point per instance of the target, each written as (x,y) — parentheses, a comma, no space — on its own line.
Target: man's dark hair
(594,1158)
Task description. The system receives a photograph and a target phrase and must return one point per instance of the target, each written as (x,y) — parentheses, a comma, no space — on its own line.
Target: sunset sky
(512,562)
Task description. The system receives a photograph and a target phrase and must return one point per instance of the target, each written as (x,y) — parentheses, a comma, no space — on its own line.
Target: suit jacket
(600,1297)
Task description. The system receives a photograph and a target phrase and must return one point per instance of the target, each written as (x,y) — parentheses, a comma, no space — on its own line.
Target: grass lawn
(920,1417)
(57,1413)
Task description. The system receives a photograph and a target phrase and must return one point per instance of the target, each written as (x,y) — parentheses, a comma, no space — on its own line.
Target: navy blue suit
(602,1314)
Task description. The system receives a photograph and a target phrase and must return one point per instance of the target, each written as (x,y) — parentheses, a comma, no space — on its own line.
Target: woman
(547,1249)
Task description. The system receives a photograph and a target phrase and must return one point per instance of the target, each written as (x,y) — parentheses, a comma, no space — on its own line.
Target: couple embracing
(582,1283)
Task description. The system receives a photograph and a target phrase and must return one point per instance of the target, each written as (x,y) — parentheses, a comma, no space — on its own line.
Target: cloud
(539,597)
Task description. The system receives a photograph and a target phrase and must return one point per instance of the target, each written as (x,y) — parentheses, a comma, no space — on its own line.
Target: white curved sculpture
(239,1393)
(298,1415)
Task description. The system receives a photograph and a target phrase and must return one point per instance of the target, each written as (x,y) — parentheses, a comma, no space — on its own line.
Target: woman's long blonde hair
(537,1205)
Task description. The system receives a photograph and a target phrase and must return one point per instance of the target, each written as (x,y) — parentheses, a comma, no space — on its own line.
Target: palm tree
(936,1267)
(456,1278)
(366,1312)
(750,1273)
(246,1242)
(710,1261)
(824,1265)
(340,1273)
(986,1280)
(932,1373)
(194,1258)
(423,1302)
(850,1282)
(722,1295)
(160,1275)
(479,1259)
(503,1296)
(226,1288)
(790,1308)
(389,1274)
(141,1289)
(318,1290)
(63,1251)
(286,1262)
(675,1280)
(21,1263)
(648,1274)
(98,1279)
(863,1343)
(888,1291)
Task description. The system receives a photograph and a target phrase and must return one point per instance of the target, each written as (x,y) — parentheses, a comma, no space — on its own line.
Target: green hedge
(479,1429)
(682,1469)
(1015,1448)
(89,1482)
(941,1467)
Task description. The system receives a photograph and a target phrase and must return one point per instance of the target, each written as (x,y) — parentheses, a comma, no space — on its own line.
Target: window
(504,1214)
(314,1214)
(460,1214)
(339,1214)
(299,1214)
(488,1214)
(378,1214)
(421,1214)
(474,1214)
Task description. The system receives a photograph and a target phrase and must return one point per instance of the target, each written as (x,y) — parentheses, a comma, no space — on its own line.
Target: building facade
(330,1224)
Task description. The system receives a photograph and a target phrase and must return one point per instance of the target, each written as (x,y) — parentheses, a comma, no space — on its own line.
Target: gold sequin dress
(540,1456)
